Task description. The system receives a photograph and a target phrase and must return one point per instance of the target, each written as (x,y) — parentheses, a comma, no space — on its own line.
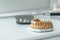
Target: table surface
(10,30)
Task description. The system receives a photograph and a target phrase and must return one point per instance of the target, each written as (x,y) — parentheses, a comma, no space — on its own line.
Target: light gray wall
(23,5)
(54,2)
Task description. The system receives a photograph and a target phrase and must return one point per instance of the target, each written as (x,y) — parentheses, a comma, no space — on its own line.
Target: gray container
(24,19)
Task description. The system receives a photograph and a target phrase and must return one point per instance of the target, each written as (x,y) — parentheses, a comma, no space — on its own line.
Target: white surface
(55,38)
(23,5)
(9,30)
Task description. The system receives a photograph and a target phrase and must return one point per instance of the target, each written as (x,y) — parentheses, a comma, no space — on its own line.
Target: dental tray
(24,19)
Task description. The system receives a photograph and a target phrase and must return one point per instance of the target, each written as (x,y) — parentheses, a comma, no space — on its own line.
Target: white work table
(10,30)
